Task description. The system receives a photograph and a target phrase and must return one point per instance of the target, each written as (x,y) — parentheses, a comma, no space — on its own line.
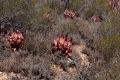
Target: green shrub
(108,42)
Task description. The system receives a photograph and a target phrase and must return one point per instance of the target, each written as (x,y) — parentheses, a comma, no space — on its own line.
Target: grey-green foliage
(38,32)
(108,42)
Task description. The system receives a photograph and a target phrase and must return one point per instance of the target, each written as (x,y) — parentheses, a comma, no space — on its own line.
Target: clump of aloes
(115,4)
(15,38)
(63,44)
(69,14)
(96,18)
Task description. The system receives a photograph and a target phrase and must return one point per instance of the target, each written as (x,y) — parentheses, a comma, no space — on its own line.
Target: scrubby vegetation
(40,20)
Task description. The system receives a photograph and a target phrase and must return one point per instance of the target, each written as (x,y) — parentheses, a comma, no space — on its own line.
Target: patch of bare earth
(11,76)
(79,49)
